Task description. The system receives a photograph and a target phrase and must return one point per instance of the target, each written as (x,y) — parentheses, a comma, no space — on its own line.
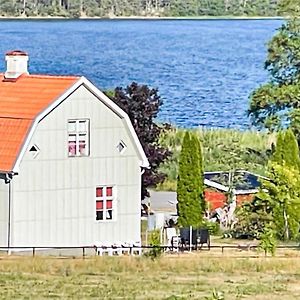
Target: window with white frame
(105,202)
(78,137)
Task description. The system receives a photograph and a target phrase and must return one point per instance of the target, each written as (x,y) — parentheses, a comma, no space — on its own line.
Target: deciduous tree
(275,105)
(142,105)
(277,205)
(281,194)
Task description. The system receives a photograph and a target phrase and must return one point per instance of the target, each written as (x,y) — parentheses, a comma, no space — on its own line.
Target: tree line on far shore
(159,8)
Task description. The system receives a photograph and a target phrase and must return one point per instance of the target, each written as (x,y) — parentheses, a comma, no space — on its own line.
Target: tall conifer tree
(292,158)
(281,193)
(190,182)
(278,155)
(198,148)
(287,151)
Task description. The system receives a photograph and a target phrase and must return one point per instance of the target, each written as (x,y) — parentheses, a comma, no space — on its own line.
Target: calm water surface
(204,69)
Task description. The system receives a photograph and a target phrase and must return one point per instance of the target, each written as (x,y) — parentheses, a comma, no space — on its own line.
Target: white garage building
(70,162)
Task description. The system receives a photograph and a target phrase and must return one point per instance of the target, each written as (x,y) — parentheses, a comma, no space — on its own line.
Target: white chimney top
(16,64)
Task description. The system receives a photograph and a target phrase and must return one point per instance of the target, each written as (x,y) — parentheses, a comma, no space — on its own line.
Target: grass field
(223,150)
(189,276)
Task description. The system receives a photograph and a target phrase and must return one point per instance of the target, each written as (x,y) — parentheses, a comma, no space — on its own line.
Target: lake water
(204,69)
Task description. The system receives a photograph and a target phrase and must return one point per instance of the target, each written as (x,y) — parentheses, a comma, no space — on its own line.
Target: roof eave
(144,163)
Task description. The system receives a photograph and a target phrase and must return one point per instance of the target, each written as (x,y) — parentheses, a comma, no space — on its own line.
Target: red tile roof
(21,101)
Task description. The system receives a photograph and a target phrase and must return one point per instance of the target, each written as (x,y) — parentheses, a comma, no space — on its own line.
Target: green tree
(190,182)
(289,7)
(77,8)
(277,205)
(278,155)
(268,241)
(287,151)
(200,159)
(281,197)
(275,105)
(142,105)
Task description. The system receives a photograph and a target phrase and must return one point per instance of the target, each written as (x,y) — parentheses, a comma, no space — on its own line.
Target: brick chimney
(16,64)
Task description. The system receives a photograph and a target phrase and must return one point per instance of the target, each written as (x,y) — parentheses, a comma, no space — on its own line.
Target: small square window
(109,191)
(121,147)
(99,205)
(72,148)
(99,192)
(109,215)
(71,126)
(99,215)
(82,126)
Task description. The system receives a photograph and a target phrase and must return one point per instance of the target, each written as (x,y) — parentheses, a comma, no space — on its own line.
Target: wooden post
(191,231)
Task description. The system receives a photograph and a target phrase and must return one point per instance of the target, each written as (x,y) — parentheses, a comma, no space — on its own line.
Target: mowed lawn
(187,276)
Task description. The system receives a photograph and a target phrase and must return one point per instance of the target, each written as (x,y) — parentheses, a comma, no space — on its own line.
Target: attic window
(78,137)
(121,147)
(34,151)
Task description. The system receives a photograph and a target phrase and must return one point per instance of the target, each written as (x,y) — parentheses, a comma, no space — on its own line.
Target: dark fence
(133,249)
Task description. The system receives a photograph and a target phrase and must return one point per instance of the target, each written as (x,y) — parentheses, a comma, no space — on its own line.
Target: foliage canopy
(142,105)
(287,151)
(110,8)
(281,194)
(277,205)
(276,104)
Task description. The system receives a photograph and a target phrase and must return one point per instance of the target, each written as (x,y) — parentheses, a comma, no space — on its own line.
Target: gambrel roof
(28,99)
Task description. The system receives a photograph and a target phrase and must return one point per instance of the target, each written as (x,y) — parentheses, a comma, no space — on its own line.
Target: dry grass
(190,276)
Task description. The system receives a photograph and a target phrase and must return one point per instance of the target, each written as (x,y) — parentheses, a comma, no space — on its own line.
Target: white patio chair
(172,239)
(104,247)
(135,247)
(117,248)
(126,248)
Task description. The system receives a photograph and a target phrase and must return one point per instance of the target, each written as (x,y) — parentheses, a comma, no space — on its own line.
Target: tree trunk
(286,225)
(24,7)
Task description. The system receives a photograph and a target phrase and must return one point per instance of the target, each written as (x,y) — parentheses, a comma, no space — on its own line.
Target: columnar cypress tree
(278,155)
(292,158)
(282,196)
(198,148)
(287,151)
(190,182)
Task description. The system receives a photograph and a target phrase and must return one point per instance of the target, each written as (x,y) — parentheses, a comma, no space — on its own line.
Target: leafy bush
(268,241)
(154,241)
(213,227)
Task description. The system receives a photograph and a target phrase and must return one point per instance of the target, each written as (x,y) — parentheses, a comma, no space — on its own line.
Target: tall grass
(186,277)
(223,150)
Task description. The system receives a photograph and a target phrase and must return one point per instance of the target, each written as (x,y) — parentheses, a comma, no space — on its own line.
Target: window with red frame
(78,137)
(105,199)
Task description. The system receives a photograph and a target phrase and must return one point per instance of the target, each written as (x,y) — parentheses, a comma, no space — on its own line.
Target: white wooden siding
(4,200)
(54,195)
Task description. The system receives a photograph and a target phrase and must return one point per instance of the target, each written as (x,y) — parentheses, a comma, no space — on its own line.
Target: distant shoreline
(54,18)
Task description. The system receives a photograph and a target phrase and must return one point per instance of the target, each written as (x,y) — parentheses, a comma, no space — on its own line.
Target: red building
(243,185)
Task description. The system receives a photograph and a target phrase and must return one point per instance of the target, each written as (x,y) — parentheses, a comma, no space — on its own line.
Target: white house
(70,162)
